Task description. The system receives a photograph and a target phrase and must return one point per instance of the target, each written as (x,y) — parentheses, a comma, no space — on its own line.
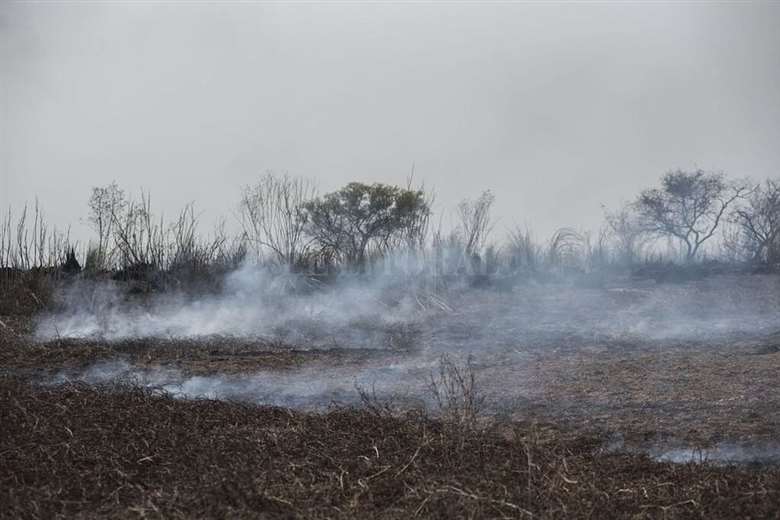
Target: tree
(138,236)
(475,222)
(414,235)
(273,217)
(350,221)
(104,204)
(688,207)
(759,222)
(627,233)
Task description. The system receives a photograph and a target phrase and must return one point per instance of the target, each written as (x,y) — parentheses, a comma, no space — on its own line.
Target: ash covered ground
(632,377)
(694,361)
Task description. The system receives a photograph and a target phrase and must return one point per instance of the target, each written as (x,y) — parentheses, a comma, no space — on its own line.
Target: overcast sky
(558,108)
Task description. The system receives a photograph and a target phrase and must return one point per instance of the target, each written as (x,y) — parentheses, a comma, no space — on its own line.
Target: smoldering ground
(528,344)
(260,302)
(254,302)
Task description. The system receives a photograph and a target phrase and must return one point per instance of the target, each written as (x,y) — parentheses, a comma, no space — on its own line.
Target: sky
(558,108)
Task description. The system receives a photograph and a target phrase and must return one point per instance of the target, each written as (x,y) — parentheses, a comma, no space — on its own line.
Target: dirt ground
(695,394)
(568,430)
(124,452)
(687,393)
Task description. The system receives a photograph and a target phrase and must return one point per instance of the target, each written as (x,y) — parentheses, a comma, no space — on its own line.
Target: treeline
(689,218)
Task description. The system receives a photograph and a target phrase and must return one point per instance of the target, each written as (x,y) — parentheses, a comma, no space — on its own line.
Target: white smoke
(255,302)
(307,388)
(722,453)
(373,312)
(502,328)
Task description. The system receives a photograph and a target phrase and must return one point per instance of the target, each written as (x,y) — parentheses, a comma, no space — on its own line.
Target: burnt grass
(122,451)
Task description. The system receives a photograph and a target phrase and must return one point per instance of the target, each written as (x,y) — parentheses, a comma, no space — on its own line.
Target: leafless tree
(475,222)
(689,207)
(759,221)
(626,233)
(273,218)
(138,235)
(735,246)
(104,204)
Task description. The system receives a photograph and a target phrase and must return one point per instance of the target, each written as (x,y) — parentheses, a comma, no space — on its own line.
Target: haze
(558,108)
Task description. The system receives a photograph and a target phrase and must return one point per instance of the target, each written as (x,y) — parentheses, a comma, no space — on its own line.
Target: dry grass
(126,452)
(122,451)
(223,355)
(23,293)
(455,391)
(691,393)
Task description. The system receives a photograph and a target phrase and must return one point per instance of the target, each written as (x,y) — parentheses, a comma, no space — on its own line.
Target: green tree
(360,217)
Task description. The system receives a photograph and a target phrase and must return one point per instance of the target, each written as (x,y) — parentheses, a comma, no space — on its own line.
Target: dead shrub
(454,390)
(373,403)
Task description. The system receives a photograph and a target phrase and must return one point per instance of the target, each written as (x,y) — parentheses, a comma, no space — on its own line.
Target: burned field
(449,260)
(627,400)
(123,451)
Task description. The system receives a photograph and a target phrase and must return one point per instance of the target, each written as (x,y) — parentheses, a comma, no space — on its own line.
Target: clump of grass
(455,392)
(373,403)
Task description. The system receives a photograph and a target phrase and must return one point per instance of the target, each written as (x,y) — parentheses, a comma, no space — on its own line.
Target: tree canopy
(358,217)
(688,206)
